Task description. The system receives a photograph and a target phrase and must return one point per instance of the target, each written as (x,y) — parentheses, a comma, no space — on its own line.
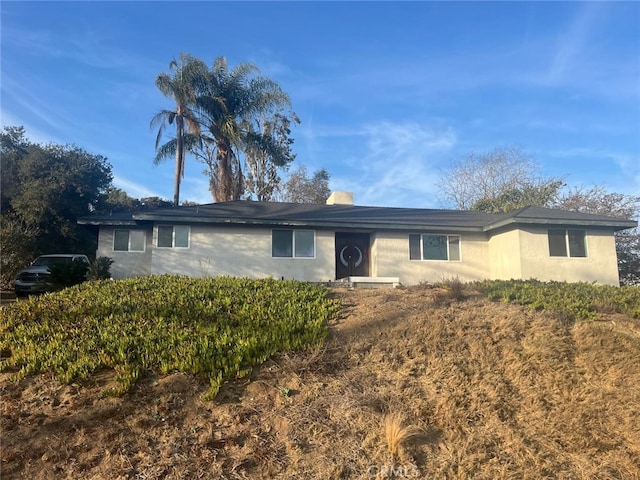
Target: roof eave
(85,221)
(615,225)
(306,223)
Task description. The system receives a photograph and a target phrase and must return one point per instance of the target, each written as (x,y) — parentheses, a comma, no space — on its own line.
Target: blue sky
(388,93)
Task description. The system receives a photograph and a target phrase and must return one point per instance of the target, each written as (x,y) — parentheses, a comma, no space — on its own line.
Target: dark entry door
(352,255)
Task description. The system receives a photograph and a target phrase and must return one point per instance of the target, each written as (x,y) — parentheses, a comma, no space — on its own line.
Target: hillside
(410,384)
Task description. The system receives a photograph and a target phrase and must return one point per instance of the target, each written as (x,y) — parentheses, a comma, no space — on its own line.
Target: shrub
(66,274)
(454,290)
(100,269)
(571,300)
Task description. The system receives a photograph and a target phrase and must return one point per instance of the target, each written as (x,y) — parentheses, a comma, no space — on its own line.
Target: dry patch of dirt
(409,385)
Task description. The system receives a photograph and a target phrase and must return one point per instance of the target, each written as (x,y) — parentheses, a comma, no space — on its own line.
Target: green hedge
(573,300)
(217,328)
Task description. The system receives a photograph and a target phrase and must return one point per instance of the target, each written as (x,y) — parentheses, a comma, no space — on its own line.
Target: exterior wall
(600,265)
(505,260)
(125,264)
(391,251)
(246,251)
(243,252)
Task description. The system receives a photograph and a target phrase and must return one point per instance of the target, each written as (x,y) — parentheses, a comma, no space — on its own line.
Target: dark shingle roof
(549,216)
(353,217)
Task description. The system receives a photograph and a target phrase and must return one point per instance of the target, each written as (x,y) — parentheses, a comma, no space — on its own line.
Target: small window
(434,247)
(415,252)
(557,243)
(173,236)
(293,243)
(128,240)
(562,241)
(577,243)
(282,243)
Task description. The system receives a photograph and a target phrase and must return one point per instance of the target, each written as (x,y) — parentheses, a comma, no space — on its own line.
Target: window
(293,243)
(128,240)
(173,236)
(434,247)
(562,241)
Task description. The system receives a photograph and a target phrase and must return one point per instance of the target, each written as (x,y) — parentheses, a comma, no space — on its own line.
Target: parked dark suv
(33,279)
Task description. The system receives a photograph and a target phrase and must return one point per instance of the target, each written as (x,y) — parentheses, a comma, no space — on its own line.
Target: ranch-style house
(340,240)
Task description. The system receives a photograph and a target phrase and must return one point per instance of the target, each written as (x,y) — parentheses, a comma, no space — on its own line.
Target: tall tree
(229,103)
(504,176)
(181,85)
(300,188)
(45,188)
(264,159)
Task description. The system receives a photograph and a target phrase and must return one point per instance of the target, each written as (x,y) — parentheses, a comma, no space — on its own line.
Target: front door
(352,255)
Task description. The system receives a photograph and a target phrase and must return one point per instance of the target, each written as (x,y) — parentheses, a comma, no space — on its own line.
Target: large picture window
(128,240)
(567,243)
(434,247)
(173,236)
(293,243)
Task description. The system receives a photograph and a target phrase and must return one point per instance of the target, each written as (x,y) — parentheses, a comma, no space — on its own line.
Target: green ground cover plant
(216,328)
(575,301)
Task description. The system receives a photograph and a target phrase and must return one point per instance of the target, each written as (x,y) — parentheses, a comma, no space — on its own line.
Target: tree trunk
(179,160)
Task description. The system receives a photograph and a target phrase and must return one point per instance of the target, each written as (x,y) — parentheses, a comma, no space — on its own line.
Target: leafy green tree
(181,85)
(513,199)
(300,188)
(117,200)
(45,188)
(17,246)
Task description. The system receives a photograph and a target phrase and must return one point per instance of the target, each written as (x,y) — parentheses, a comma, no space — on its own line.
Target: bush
(100,269)
(213,328)
(66,274)
(572,300)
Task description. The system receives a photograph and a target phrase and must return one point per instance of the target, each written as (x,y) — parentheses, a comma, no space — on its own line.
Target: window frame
(129,230)
(421,242)
(293,248)
(173,236)
(568,245)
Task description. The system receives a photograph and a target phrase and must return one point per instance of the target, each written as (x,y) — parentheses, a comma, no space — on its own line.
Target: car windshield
(48,261)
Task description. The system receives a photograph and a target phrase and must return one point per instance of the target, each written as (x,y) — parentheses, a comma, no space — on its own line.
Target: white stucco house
(321,243)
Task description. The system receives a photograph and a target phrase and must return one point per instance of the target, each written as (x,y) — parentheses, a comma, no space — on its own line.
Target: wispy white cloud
(399,165)
(623,169)
(33,133)
(23,94)
(134,189)
(86,46)
(573,42)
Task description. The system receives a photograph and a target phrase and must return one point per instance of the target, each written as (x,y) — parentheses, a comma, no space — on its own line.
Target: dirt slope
(485,390)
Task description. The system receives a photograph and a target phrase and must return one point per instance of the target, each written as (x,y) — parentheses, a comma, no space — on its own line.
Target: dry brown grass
(397,433)
(405,387)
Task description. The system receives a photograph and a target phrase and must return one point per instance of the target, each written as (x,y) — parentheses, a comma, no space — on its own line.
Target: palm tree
(229,103)
(181,85)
